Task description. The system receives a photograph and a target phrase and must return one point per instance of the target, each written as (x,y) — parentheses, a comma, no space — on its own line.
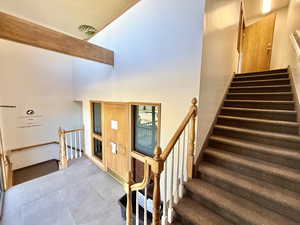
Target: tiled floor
(79,195)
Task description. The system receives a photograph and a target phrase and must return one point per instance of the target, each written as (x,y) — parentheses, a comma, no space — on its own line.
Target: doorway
(257,44)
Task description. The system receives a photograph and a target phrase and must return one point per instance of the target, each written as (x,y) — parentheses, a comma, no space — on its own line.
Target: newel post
(157,169)
(129,199)
(62,151)
(191,143)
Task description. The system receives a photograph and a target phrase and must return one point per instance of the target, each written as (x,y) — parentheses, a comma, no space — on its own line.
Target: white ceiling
(67,15)
(253,7)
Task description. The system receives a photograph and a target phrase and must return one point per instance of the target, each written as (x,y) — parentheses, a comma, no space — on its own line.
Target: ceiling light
(266,6)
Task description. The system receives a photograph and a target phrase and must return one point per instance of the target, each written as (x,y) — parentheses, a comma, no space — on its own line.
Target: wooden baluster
(80,144)
(157,169)
(63,158)
(191,147)
(129,199)
(76,147)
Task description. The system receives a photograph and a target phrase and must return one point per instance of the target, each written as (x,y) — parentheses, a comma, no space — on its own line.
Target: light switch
(113,147)
(114,125)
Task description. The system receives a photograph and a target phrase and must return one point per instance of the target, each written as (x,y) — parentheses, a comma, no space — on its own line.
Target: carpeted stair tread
(261,77)
(273,197)
(257,147)
(235,208)
(263,110)
(247,83)
(285,173)
(282,70)
(192,212)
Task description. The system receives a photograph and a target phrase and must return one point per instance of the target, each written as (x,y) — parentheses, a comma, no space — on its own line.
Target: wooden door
(116,125)
(257,45)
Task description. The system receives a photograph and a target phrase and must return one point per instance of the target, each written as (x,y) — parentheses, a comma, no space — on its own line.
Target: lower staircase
(250,172)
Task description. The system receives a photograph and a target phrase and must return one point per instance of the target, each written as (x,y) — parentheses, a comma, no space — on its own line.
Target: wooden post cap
(157,152)
(194,101)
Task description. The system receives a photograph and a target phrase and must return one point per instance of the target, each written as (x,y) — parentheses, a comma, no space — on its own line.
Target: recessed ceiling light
(266,7)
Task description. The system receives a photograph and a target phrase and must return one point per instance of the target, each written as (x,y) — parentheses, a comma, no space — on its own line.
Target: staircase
(250,173)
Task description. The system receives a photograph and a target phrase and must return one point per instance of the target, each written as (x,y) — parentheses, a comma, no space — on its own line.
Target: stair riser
(266,77)
(260,83)
(258,139)
(288,162)
(259,90)
(279,97)
(263,72)
(219,210)
(258,126)
(253,172)
(260,105)
(253,196)
(260,115)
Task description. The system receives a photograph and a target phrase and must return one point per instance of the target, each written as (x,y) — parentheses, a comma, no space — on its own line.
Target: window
(97,118)
(96,110)
(146,128)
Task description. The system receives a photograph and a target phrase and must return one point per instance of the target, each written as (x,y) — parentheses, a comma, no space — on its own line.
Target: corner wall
(157,47)
(33,78)
(220,59)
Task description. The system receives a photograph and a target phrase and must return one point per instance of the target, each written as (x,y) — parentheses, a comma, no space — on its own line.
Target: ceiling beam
(25,32)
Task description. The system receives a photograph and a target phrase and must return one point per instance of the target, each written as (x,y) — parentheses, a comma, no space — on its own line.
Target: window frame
(132,123)
(95,135)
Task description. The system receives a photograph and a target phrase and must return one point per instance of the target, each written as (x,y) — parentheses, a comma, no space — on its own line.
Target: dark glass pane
(97,118)
(98,148)
(145,129)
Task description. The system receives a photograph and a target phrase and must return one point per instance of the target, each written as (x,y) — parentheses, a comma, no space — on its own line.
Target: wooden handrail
(192,112)
(157,164)
(145,182)
(74,130)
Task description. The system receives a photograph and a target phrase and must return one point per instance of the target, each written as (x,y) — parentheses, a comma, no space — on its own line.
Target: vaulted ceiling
(253,8)
(67,15)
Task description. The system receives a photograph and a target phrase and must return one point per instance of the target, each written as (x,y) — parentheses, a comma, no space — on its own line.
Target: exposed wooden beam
(22,31)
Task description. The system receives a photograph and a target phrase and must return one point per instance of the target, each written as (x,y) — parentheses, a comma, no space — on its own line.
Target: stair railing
(71,145)
(175,164)
(6,166)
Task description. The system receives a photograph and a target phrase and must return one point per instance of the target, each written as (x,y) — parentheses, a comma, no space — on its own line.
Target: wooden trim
(177,134)
(143,184)
(72,131)
(33,146)
(205,144)
(15,29)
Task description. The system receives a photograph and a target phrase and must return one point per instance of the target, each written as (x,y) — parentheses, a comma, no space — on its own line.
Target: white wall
(32,78)
(280,41)
(158,55)
(220,59)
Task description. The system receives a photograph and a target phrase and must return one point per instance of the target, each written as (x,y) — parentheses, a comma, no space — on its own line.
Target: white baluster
(186,154)
(76,147)
(164,219)
(80,145)
(145,206)
(182,166)
(71,145)
(67,149)
(176,168)
(171,210)
(137,213)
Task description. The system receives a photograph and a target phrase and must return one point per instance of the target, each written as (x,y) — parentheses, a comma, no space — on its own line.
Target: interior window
(98,148)
(97,129)
(145,128)
(97,118)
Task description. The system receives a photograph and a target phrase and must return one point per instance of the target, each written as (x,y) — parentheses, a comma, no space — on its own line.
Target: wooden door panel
(257,44)
(119,162)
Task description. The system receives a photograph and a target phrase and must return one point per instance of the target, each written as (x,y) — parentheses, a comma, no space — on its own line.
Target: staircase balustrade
(71,145)
(175,165)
